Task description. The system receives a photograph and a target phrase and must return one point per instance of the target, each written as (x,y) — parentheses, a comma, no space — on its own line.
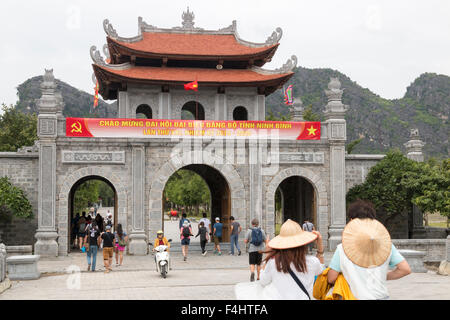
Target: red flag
(191,86)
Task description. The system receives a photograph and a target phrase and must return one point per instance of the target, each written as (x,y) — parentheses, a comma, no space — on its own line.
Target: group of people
(92,234)
(208,232)
(359,268)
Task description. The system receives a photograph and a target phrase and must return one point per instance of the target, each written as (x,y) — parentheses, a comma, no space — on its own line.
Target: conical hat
(366,242)
(291,236)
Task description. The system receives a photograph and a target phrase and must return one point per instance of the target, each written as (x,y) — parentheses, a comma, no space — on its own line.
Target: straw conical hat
(366,242)
(291,236)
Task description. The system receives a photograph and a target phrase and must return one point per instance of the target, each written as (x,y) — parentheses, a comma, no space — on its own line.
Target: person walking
(109,220)
(99,221)
(217,233)
(288,272)
(93,239)
(366,254)
(203,233)
(120,240)
(108,247)
(234,235)
(185,234)
(183,218)
(257,240)
(308,226)
(81,230)
(206,222)
(74,229)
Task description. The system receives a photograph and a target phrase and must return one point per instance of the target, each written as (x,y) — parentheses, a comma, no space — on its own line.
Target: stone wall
(22,170)
(435,248)
(357,167)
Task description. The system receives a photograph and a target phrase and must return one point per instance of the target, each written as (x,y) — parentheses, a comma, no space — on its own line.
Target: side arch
(63,199)
(320,194)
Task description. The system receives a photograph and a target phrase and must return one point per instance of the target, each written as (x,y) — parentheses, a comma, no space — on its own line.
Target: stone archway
(178,161)
(63,200)
(320,194)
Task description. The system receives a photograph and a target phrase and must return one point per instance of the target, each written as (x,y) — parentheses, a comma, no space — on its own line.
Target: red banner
(160,128)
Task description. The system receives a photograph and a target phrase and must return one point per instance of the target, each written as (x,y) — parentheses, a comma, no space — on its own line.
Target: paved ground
(199,278)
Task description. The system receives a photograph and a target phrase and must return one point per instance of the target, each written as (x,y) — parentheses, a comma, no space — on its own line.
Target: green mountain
(382,123)
(77,103)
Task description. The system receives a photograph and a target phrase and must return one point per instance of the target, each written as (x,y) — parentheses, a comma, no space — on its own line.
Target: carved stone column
(221,107)
(138,239)
(335,113)
(414,152)
(48,107)
(297,110)
(164,106)
(123,102)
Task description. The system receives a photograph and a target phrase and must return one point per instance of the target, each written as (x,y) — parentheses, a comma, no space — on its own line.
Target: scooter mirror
(150,244)
(170,240)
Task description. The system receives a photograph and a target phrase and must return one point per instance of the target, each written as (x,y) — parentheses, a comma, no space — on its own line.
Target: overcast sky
(382,45)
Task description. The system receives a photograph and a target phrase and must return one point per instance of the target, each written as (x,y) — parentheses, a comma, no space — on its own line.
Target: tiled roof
(187,44)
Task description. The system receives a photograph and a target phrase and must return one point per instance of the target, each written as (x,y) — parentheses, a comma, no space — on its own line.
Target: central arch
(214,169)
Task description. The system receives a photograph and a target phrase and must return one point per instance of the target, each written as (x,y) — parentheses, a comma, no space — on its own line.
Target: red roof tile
(186,44)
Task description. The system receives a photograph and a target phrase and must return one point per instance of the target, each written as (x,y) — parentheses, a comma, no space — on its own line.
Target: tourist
(99,221)
(74,230)
(108,247)
(121,240)
(203,233)
(288,272)
(257,239)
(161,240)
(93,240)
(308,226)
(183,218)
(206,222)
(185,234)
(92,213)
(109,220)
(217,233)
(234,235)
(365,255)
(81,230)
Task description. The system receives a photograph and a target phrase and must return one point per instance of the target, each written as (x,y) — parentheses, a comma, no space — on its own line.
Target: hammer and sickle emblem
(76,127)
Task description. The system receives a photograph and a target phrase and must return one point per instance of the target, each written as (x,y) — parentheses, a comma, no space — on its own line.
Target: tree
(86,194)
(309,115)
(383,185)
(17,129)
(13,202)
(396,182)
(271,117)
(352,145)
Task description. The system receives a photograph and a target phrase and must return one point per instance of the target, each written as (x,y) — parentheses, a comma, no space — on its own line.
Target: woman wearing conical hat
(365,255)
(288,272)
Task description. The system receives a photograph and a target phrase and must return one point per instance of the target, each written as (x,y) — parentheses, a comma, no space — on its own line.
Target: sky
(382,45)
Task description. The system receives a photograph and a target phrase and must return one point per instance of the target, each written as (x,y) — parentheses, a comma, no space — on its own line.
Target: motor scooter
(162,259)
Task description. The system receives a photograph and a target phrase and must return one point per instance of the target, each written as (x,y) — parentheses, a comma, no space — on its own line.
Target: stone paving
(199,278)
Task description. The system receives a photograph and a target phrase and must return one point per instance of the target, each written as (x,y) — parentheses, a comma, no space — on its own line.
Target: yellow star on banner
(312,131)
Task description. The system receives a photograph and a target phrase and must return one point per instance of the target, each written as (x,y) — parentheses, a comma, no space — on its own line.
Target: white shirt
(207,223)
(365,283)
(283,286)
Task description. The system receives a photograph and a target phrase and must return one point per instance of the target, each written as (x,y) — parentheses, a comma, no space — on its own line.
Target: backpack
(186,232)
(257,237)
(82,227)
(122,241)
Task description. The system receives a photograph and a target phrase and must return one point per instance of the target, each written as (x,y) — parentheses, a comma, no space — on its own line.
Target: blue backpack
(257,237)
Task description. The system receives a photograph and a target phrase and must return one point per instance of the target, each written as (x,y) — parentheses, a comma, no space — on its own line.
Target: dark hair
(202,224)
(119,230)
(362,209)
(232,218)
(184,215)
(94,224)
(204,214)
(84,213)
(255,222)
(284,258)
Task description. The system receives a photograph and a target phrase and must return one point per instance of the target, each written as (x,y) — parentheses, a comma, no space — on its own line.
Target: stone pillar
(414,152)
(297,109)
(138,243)
(123,104)
(414,146)
(164,106)
(48,108)
(255,175)
(220,107)
(260,110)
(2,262)
(335,113)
